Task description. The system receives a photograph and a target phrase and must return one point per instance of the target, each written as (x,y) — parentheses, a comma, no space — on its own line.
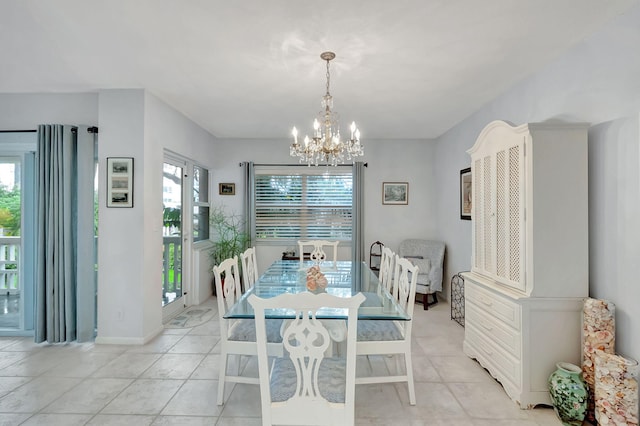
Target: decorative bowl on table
(316,281)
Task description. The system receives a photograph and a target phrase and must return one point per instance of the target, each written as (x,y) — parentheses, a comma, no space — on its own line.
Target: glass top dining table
(346,279)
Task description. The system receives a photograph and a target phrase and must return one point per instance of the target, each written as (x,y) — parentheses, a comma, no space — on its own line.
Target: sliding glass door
(11,302)
(17,233)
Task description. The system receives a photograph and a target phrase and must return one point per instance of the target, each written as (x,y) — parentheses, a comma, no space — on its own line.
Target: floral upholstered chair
(428,256)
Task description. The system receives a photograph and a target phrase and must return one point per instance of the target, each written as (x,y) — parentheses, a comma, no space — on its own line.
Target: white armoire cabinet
(529,268)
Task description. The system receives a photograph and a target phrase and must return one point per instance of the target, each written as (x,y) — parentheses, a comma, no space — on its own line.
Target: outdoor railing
(9,265)
(171,272)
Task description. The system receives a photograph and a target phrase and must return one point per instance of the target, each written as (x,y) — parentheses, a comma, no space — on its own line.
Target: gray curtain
(357,247)
(249,199)
(56,207)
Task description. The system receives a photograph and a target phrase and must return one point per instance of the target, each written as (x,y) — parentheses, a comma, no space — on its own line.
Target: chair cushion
(331,379)
(373,330)
(244,330)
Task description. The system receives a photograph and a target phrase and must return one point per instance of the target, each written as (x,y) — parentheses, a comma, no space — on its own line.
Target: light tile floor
(173,381)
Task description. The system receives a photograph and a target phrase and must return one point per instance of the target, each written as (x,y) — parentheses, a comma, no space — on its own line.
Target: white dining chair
(318,254)
(305,387)
(249,268)
(238,336)
(378,337)
(386,269)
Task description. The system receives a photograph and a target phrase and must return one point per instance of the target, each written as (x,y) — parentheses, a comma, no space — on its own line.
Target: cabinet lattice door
(498,211)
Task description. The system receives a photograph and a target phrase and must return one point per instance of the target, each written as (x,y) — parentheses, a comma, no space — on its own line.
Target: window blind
(314,203)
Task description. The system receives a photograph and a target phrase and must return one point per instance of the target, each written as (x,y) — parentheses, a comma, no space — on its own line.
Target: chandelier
(326,145)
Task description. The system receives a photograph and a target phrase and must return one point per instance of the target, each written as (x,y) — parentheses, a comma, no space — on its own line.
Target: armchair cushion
(424,266)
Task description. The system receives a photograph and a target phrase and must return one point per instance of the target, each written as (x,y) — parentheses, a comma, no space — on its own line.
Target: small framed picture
(227,189)
(119,182)
(395,193)
(465,194)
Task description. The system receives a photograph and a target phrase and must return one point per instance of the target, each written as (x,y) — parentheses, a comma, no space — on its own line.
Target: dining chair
(249,268)
(378,337)
(318,255)
(386,269)
(238,336)
(304,386)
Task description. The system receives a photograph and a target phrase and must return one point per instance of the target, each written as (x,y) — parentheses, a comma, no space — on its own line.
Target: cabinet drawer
(495,305)
(495,330)
(504,365)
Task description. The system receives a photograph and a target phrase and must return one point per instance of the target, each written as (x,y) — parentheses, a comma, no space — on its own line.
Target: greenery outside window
(10,199)
(295,202)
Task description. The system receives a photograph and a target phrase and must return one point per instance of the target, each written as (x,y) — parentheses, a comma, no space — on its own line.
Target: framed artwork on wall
(465,194)
(395,193)
(227,189)
(119,182)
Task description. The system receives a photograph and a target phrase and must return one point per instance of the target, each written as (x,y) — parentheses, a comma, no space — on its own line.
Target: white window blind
(303,203)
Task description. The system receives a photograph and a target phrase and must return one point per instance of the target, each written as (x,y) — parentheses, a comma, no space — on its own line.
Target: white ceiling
(251,68)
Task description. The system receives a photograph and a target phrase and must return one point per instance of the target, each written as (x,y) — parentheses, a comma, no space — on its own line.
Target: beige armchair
(428,256)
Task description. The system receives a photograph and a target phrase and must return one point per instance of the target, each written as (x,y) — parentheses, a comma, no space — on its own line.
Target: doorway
(173,236)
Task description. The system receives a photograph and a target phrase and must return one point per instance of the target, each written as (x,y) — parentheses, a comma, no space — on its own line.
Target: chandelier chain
(328,77)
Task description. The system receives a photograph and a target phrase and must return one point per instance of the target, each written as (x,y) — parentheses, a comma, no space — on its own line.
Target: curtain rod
(90,130)
(296,165)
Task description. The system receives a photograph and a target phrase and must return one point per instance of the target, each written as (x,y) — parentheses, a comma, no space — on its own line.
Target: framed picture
(465,194)
(119,182)
(395,193)
(227,189)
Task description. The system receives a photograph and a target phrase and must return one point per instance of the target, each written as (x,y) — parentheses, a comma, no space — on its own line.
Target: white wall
(388,161)
(594,82)
(614,182)
(121,276)
(134,123)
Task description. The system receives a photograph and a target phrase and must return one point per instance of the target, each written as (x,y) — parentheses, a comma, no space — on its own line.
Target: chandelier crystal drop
(326,145)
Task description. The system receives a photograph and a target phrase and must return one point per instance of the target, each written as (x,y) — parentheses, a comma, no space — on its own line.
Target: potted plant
(228,235)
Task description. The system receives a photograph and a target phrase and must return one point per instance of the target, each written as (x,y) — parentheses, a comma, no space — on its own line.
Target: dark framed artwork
(227,189)
(465,194)
(120,182)
(395,193)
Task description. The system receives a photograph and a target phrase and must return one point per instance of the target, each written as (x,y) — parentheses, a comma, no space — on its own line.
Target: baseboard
(119,340)
(129,340)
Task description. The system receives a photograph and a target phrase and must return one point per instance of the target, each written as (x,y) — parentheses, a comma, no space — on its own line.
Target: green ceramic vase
(568,393)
